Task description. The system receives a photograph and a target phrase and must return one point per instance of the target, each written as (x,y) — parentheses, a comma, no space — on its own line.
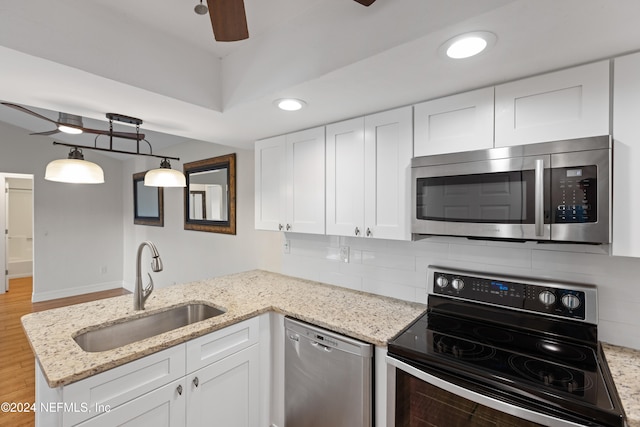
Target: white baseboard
(71,292)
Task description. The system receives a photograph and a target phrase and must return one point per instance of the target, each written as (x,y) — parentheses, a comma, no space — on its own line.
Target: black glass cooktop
(529,367)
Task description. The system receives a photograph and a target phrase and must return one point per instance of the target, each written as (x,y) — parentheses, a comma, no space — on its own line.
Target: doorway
(16,219)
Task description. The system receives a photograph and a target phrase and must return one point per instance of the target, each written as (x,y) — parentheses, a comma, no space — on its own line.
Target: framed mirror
(210,195)
(148,203)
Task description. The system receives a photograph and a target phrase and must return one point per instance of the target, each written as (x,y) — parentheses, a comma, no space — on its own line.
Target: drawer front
(90,397)
(217,345)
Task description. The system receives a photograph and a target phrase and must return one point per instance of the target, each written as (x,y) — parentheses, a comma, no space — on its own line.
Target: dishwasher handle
(319,346)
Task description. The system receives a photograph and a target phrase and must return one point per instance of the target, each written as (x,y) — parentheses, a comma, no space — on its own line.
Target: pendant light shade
(164,176)
(74,170)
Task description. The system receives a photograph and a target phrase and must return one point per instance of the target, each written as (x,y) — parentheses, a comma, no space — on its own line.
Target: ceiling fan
(71,123)
(229,20)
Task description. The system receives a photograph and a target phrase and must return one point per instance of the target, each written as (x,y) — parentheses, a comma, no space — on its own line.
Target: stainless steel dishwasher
(328,378)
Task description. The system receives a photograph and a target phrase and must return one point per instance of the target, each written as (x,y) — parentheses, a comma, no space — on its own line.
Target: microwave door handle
(539,190)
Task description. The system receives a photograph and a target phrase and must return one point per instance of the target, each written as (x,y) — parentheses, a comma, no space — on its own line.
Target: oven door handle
(539,196)
(498,405)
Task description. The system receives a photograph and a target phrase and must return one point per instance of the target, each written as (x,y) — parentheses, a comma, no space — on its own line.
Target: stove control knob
(571,301)
(442,282)
(457,284)
(547,297)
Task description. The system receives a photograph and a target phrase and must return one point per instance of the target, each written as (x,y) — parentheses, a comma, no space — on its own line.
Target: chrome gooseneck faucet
(140,295)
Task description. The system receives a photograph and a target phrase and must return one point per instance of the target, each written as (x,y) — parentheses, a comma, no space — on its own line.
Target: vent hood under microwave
(548,192)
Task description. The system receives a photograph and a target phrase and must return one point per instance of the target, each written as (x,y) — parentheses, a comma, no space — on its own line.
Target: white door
(387,171)
(4,285)
(345,178)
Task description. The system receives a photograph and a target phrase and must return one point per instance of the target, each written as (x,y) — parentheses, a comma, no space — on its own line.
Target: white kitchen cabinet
(368,175)
(164,407)
(345,178)
(626,156)
(290,182)
(114,387)
(270,187)
(226,393)
(213,377)
(571,103)
(455,123)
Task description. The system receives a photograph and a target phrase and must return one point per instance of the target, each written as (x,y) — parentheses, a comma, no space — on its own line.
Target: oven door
(500,199)
(422,400)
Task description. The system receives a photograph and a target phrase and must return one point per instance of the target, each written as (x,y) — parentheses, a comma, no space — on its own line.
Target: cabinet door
(163,407)
(566,104)
(270,186)
(626,156)
(226,393)
(456,123)
(305,189)
(124,383)
(345,178)
(387,171)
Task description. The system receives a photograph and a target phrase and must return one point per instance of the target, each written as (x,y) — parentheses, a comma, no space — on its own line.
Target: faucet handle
(148,289)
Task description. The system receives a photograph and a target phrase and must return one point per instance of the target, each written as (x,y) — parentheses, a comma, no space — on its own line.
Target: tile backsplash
(399,270)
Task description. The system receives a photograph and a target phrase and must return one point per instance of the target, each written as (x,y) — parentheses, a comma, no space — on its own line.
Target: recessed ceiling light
(468,44)
(290,104)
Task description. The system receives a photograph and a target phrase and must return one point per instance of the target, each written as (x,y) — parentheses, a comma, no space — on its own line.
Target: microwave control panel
(574,194)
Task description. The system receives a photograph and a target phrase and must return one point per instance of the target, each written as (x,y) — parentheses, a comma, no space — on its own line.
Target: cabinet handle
(179,389)
(280,227)
(288,227)
(196,382)
(357,231)
(369,233)
(539,195)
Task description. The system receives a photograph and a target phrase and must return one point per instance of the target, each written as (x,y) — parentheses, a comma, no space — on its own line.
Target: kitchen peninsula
(371,318)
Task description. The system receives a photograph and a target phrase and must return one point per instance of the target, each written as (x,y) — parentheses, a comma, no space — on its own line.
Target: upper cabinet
(455,123)
(626,155)
(566,104)
(368,176)
(290,182)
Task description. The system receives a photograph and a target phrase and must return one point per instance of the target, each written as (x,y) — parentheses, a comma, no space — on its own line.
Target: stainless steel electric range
(494,350)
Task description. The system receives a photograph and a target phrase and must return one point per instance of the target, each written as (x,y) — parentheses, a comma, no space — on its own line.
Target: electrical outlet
(344,253)
(286,248)
(103,269)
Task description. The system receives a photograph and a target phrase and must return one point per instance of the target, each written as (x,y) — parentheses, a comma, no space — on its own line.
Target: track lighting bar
(110,150)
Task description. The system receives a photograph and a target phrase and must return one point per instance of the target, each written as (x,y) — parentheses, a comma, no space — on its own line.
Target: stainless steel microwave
(553,191)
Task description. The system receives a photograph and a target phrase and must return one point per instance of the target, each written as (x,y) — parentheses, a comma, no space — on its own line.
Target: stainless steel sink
(129,331)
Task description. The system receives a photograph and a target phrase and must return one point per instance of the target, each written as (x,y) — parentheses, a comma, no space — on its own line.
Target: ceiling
(157,60)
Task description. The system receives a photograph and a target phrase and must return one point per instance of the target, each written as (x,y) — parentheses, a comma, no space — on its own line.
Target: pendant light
(164,176)
(74,169)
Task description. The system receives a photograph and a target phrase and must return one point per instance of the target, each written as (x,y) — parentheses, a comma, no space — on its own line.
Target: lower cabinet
(164,407)
(225,394)
(213,380)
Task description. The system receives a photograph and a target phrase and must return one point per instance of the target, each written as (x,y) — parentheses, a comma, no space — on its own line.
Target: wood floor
(17,363)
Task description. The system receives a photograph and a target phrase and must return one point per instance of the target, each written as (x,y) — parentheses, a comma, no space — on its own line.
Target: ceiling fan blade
(25,110)
(47,133)
(365,2)
(228,20)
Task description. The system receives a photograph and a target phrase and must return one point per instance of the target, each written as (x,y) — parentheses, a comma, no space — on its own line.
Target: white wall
(398,269)
(77,228)
(192,255)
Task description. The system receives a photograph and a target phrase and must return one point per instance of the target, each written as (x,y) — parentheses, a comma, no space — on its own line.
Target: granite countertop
(624,364)
(370,318)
